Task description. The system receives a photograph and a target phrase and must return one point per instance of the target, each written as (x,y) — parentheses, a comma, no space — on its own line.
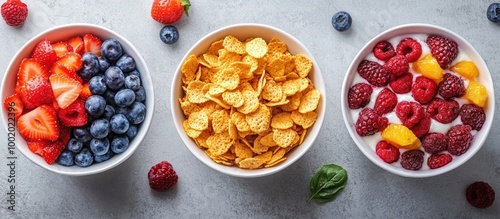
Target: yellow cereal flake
(240,122)
(194,92)
(303,65)
(272,91)
(189,131)
(284,137)
(220,120)
(227,78)
(251,102)
(282,121)
(305,120)
(233,98)
(198,121)
(309,101)
(215,47)
(256,47)
(267,140)
(219,143)
(189,68)
(259,120)
(232,44)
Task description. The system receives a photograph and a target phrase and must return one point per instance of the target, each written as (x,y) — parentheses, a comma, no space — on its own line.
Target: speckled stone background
(371,192)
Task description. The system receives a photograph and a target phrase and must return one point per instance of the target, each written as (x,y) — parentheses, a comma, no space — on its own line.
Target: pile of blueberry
(115,110)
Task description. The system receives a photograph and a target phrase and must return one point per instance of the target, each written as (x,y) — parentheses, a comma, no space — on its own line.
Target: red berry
(384,50)
(397,65)
(74,114)
(44,53)
(169,11)
(359,95)
(434,142)
(451,86)
(369,122)
(422,127)
(36,92)
(443,111)
(402,84)
(480,194)
(438,160)
(443,50)
(459,139)
(14,12)
(387,152)
(472,115)
(162,176)
(410,113)
(412,159)
(423,90)
(374,73)
(385,102)
(410,48)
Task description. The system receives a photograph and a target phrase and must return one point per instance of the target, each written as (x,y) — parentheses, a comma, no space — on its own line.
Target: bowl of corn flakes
(248,100)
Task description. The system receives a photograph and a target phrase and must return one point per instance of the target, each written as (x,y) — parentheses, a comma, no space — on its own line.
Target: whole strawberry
(14,12)
(162,176)
(169,11)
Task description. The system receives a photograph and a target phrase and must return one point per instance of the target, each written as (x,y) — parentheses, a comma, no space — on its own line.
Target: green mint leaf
(327,183)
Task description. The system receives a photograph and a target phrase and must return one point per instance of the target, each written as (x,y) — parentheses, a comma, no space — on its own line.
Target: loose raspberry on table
(412,159)
(443,111)
(434,142)
(384,50)
(410,48)
(387,152)
(472,115)
(480,194)
(459,139)
(451,86)
(422,127)
(410,113)
(423,90)
(438,160)
(374,73)
(369,122)
(162,176)
(402,84)
(385,102)
(443,49)
(14,12)
(397,65)
(359,95)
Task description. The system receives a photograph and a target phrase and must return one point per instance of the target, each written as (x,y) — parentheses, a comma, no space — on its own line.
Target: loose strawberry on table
(169,11)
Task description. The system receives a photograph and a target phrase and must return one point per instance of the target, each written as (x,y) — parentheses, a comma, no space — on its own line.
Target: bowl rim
(243,173)
(369,153)
(145,76)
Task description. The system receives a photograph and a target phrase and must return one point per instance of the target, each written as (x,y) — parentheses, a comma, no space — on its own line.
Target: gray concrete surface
(202,192)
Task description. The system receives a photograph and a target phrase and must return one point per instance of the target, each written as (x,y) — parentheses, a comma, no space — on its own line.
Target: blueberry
(90,66)
(493,12)
(104,157)
(97,85)
(66,158)
(109,96)
(119,144)
(111,49)
(81,134)
(126,63)
(132,82)
(119,124)
(169,34)
(74,145)
(134,72)
(109,111)
(84,158)
(122,110)
(137,113)
(99,146)
(103,64)
(114,78)
(341,21)
(94,105)
(140,94)
(131,132)
(99,128)
(124,97)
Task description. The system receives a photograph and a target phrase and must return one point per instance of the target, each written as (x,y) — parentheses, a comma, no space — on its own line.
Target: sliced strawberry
(77,44)
(57,68)
(28,69)
(85,92)
(74,114)
(37,146)
(52,151)
(66,90)
(64,133)
(44,53)
(72,61)
(61,48)
(13,104)
(39,124)
(35,92)
(92,43)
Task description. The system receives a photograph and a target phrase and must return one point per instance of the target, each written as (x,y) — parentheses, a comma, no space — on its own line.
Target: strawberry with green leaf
(169,11)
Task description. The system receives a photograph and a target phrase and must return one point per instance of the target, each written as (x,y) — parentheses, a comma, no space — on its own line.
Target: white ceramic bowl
(65,32)
(484,78)
(242,32)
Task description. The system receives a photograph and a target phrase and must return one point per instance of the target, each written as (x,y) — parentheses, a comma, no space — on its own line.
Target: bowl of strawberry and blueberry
(418,100)
(78,99)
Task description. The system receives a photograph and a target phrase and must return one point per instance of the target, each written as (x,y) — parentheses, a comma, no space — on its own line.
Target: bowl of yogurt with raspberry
(418,100)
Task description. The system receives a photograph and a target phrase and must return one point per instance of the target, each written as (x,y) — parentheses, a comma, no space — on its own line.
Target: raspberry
(369,122)
(443,49)
(410,48)
(480,194)
(472,115)
(374,73)
(451,86)
(434,142)
(387,152)
(422,127)
(359,95)
(412,159)
(459,139)
(423,90)
(397,65)
(443,111)
(162,176)
(385,102)
(14,12)
(402,85)
(410,113)
(384,50)
(438,160)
